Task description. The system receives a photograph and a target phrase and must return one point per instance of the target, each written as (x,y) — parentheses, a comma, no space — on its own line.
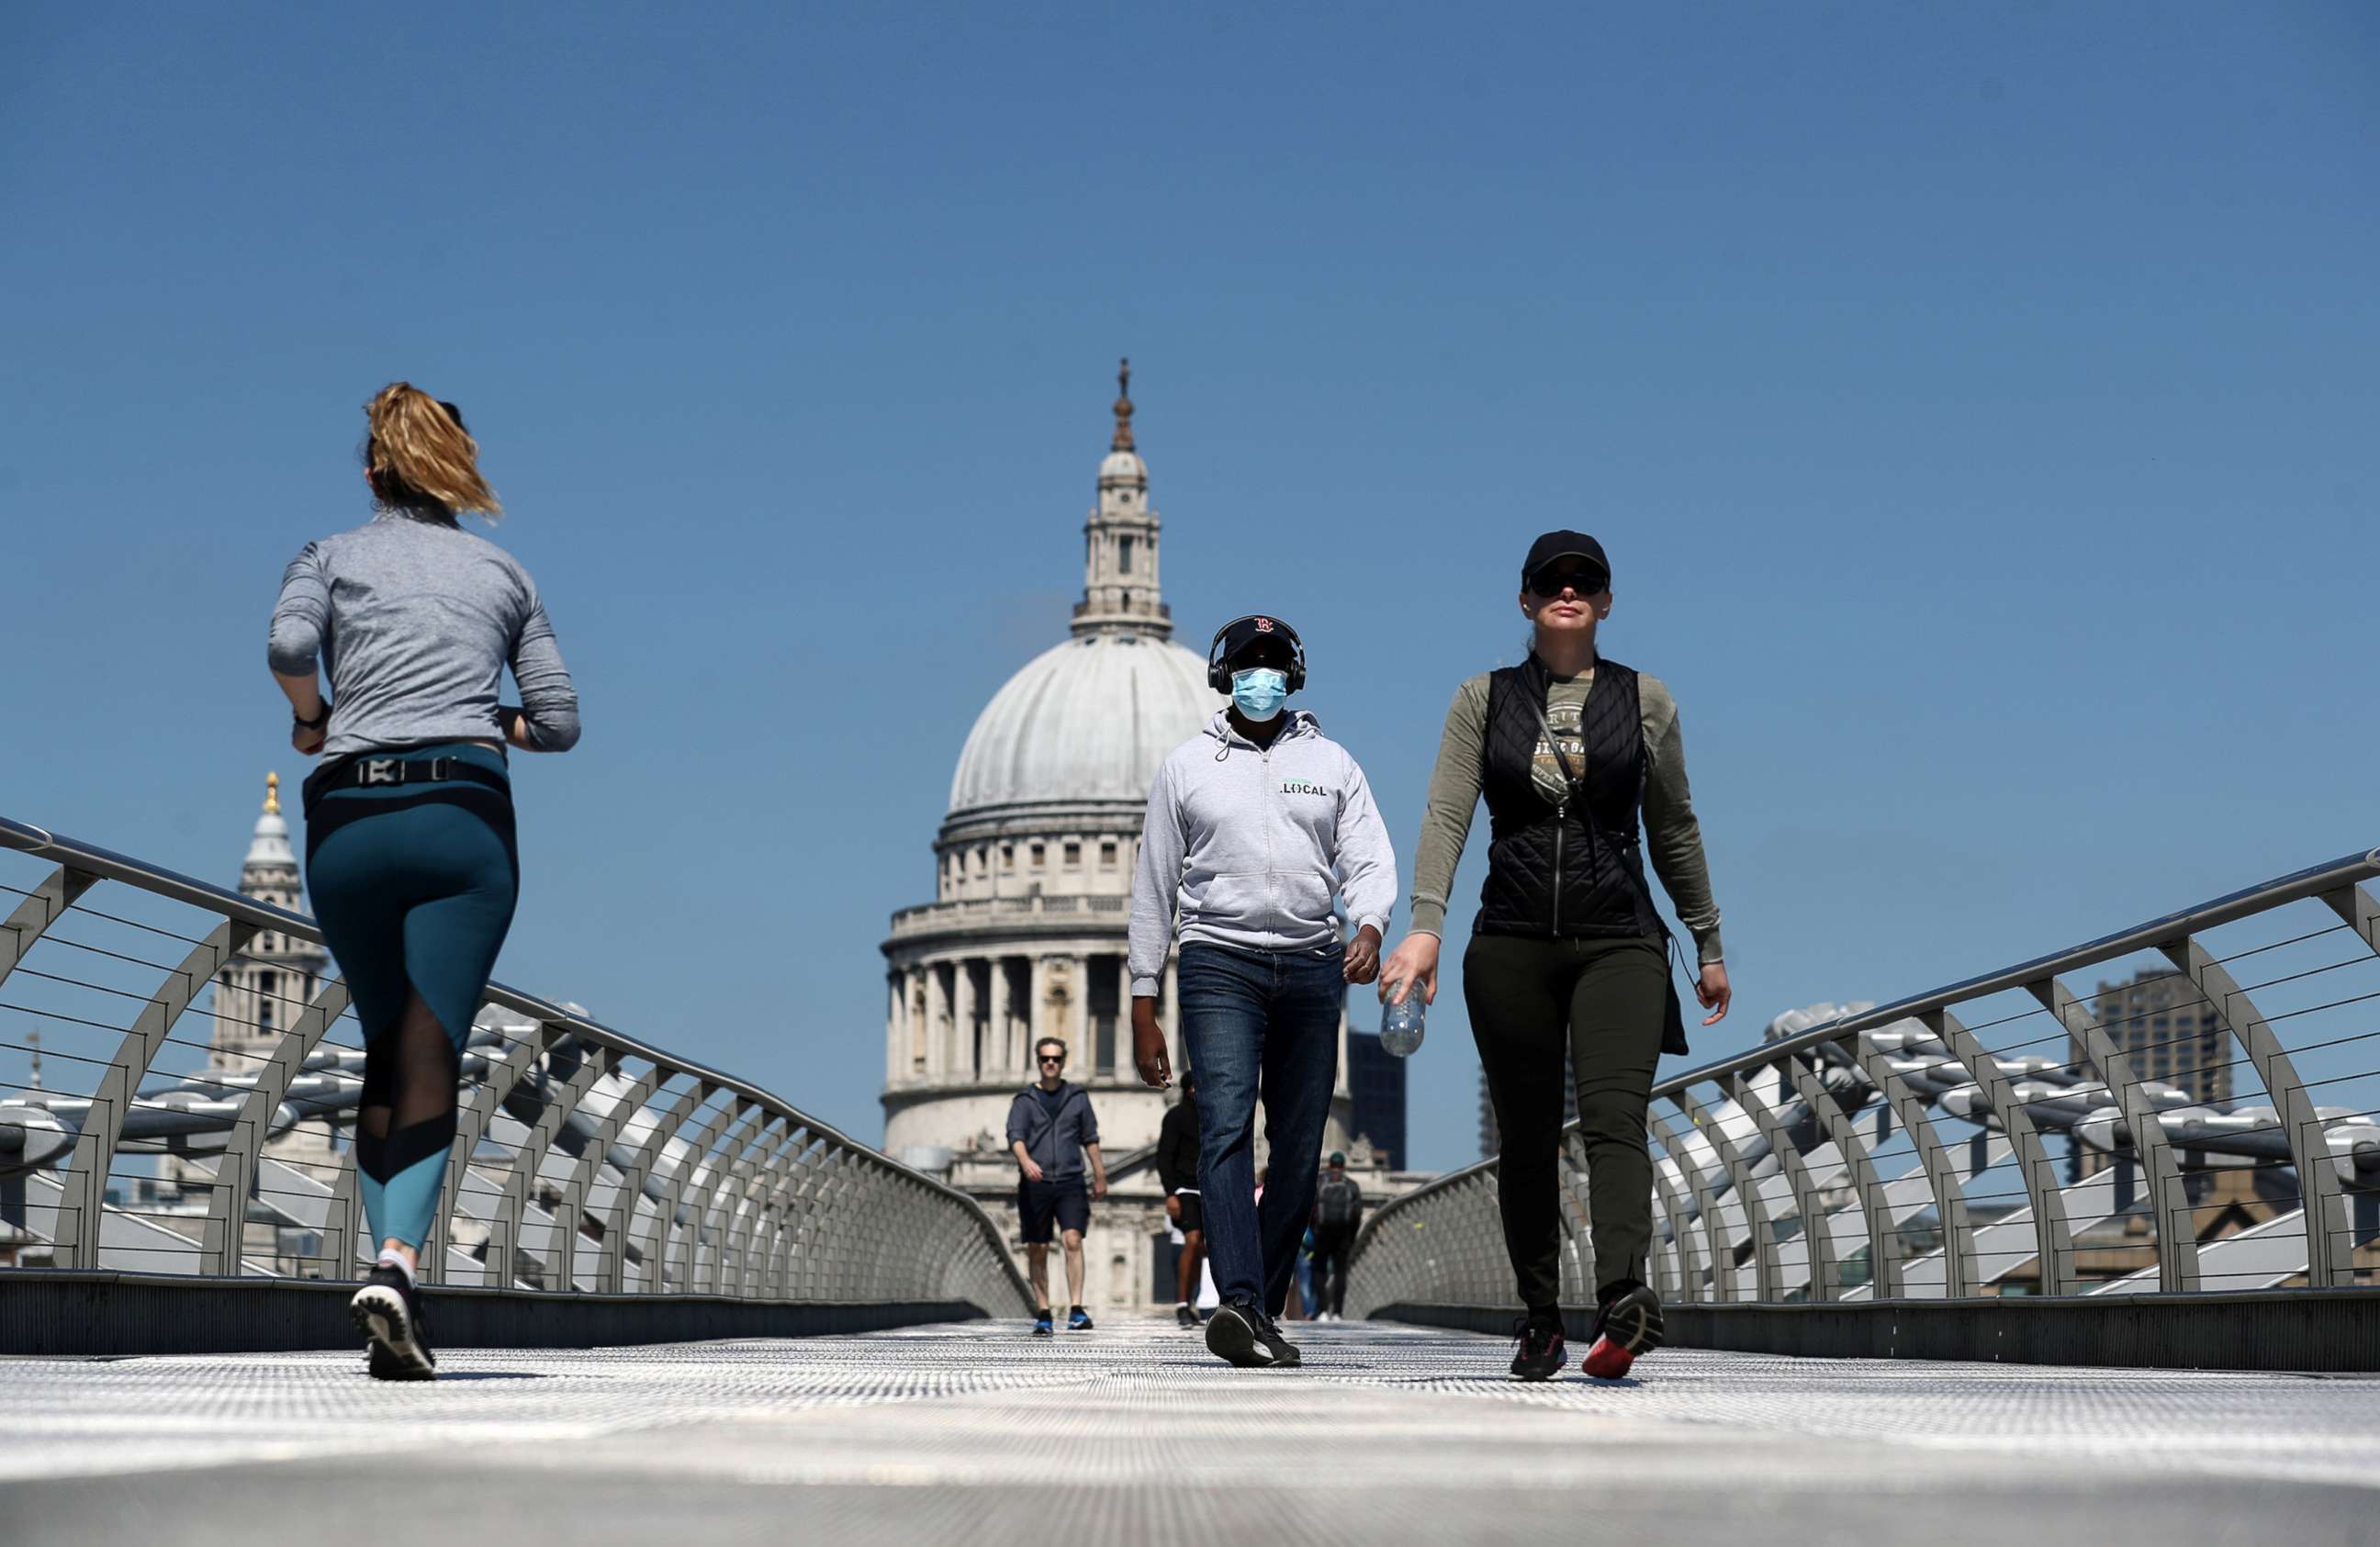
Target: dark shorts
(1194,1214)
(1064,1204)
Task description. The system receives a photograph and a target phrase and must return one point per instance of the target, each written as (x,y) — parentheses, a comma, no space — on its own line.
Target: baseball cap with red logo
(1257,639)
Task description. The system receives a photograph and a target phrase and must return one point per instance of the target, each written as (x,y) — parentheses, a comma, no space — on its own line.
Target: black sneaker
(1233,1335)
(1629,1323)
(1185,1316)
(388,1312)
(1284,1352)
(1077,1321)
(1541,1351)
(1041,1327)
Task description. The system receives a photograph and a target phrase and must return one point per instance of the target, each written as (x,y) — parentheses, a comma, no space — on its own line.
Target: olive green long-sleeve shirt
(1674,838)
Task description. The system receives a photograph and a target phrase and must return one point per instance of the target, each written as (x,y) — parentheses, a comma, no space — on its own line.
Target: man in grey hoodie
(1253,827)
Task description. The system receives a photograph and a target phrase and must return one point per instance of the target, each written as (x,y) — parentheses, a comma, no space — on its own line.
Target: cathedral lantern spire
(1119,587)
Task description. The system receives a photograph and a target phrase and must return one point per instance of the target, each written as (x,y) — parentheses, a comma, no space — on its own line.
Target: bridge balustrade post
(528,1160)
(1883,1242)
(750,1209)
(472,1118)
(43,907)
(611,1269)
(1764,1272)
(1818,1233)
(574,1189)
(1720,1250)
(1684,1253)
(83,1194)
(2176,1239)
(227,1226)
(2321,1198)
(747,1131)
(691,1158)
(1941,1171)
(2053,1234)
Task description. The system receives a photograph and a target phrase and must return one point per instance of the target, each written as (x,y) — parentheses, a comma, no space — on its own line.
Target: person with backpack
(1568,952)
(1255,827)
(1177,1172)
(411,852)
(1338,1214)
(1052,1130)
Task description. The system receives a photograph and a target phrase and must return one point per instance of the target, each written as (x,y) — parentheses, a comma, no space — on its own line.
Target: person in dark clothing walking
(1051,1131)
(1568,951)
(410,846)
(1177,1172)
(1338,1214)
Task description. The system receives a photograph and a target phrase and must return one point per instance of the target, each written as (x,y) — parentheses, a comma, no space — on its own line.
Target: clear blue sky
(1978,405)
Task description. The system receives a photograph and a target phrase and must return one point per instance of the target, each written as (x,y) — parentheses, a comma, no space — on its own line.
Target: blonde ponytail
(421,459)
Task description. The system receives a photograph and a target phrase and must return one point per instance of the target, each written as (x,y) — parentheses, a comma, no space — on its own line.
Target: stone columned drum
(1025,936)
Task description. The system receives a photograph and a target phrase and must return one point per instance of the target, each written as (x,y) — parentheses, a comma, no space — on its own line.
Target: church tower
(1119,589)
(260,992)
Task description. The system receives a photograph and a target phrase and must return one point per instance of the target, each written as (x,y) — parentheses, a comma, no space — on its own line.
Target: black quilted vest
(1557,872)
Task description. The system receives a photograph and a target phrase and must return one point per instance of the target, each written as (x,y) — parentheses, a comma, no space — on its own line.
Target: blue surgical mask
(1258,691)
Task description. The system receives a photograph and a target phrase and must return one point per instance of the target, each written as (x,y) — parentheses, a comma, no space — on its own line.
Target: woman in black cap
(1568,954)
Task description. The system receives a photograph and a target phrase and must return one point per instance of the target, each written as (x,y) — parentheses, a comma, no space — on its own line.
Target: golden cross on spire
(273,794)
(1122,441)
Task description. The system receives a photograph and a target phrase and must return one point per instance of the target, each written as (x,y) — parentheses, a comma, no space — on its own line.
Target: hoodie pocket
(1305,901)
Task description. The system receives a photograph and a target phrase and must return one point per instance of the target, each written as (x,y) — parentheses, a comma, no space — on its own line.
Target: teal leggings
(414,886)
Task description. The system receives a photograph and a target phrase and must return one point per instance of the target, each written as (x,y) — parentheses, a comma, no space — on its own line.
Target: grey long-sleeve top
(415,622)
(1242,843)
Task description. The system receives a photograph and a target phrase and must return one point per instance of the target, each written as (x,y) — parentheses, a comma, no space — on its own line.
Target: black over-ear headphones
(1236,635)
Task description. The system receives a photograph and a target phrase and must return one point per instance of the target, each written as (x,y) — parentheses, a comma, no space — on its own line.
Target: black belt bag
(364,771)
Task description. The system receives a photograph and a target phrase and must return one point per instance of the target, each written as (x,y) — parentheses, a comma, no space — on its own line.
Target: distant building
(1376,1078)
(2168,1034)
(260,994)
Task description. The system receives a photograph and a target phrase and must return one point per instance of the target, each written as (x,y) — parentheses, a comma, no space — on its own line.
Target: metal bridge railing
(2205,1120)
(585,1159)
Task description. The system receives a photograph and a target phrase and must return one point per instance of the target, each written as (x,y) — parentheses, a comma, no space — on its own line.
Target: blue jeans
(1260,1022)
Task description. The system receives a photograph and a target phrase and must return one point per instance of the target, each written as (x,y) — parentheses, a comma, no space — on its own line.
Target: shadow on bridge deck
(977,1434)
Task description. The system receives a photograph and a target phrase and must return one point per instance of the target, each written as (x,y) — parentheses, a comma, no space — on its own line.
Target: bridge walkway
(975,1432)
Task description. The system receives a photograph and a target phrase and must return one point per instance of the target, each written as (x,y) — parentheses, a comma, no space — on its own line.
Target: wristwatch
(317,722)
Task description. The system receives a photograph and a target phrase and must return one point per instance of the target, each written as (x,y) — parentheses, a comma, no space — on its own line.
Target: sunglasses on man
(1550,582)
(1053,1057)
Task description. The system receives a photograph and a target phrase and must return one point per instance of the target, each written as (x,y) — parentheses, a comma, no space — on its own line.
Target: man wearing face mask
(1254,827)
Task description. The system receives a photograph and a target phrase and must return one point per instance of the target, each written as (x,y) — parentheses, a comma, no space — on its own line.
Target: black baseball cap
(1563,545)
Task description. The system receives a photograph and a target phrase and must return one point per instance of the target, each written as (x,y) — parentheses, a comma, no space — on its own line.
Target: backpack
(1338,1199)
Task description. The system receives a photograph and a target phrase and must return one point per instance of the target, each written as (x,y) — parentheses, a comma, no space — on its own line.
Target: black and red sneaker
(1541,1351)
(1628,1324)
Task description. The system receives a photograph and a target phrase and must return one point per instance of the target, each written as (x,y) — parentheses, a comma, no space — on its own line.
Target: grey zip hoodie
(1241,846)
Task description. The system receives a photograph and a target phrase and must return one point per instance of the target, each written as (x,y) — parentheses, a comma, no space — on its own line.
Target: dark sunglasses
(1551,583)
(1053,1057)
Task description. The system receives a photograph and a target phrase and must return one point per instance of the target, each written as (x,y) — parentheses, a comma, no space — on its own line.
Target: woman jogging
(409,848)
(1568,954)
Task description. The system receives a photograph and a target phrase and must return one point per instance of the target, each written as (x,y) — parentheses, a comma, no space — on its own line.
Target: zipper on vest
(1562,821)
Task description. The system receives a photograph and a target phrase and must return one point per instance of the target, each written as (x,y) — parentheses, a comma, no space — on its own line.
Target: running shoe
(1284,1352)
(1233,1336)
(1628,1324)
(1185,1316)
(1078,1321)
(1541,1351)
(1041,1327)
(387,1311)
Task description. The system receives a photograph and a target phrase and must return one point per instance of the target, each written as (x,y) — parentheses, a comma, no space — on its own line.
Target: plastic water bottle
(1400,1023)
